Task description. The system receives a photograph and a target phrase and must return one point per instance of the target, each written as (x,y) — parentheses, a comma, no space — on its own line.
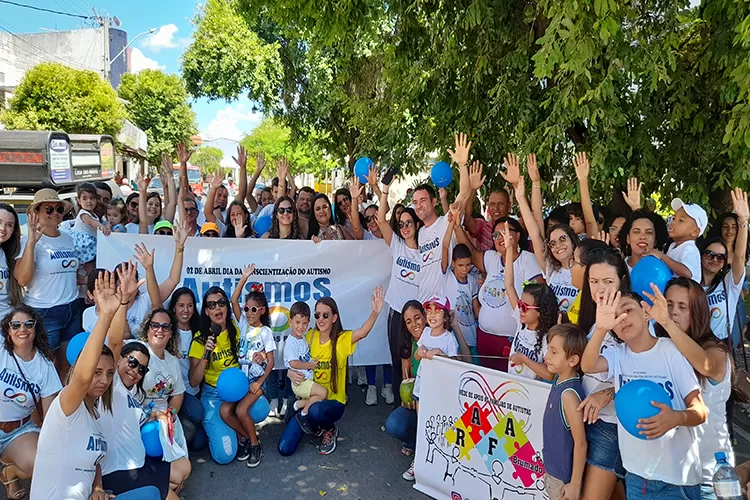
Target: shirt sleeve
(52,383)
(473,286)
(612,355)
(196,348)
(532,269)
(451,346)
(345,344)
(492,262)
(289,351)
(269,344)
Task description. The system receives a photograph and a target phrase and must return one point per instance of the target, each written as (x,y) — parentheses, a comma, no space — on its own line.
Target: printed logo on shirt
(717,298)
(667,385)
(426,250)
(17,383)
(493,292)
(68,259)
(132,403)
(464,311)
(409,269)
(97,443)
(322,372)
(716,313)
(163,388)
(16,397)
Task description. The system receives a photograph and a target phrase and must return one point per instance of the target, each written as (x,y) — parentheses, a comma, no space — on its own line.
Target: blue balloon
(633,402)
(75,346)
(150,438)
(649,270)
(260,410)
(262,224)
(232,385)
(441,174)
(362,169)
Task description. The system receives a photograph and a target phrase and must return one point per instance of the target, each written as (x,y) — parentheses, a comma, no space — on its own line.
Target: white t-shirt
(81,226)
(446,342)
(5,278)
(67,453)
(561,283)
(122,428)
(16,402)
(135,315)
(461,297)
(186,338)
(525,343)
(405,274)
(674,457)
(55,272)
(717,303)
(713,434)
(133,228)
(595,382)
(163,380)
(496,314)
(297,350)
(431,255)
(252,340)
(688,255)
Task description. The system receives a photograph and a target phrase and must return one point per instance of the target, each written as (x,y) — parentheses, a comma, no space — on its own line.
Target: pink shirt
(483,235)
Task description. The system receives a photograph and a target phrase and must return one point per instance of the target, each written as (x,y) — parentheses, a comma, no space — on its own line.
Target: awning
(133,141)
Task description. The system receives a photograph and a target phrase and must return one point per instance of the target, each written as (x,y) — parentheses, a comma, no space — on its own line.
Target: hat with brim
(209,226)
(48,195)
(439,301)
(162,224)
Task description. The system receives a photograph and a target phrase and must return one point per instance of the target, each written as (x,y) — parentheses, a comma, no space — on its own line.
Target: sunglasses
(372,218)
(325,315)
(285,210)
(134,363)
(408,223)
(164,232)
(252,309)
(524,307)
(29,324)
(57,208)
(191,210)
(210,234)
(160,326)
(718,257)
(213,304)
(553,243)
(133,204)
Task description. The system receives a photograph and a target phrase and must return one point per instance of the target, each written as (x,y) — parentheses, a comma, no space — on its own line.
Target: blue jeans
(372,374)
(402,424)
(222,440)
(322,415)
(144,493)
(275,382)
(191,415)
(62,322)
(638,488)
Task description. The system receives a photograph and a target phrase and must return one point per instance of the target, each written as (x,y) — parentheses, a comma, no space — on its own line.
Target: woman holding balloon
(642,232)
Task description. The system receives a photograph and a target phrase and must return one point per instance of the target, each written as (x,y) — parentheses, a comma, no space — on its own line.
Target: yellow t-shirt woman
(221,359)
(323,353)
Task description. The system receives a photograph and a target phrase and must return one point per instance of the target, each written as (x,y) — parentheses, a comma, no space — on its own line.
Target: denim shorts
(62,322)
(603,447)
(639,488)
(7,437)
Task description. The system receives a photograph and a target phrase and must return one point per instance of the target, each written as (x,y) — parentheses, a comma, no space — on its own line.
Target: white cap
(694,211)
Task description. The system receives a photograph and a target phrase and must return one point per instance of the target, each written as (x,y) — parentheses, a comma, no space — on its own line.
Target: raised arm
(453,216)
(241,161)
(536,235)
(247,271)
(282,168)
(510,257)
(167,182)
(633,195)
(260,163)
(377,306)
(372,181)
(129,286)
(292,185)
(183,156)
(444,203)
(476,181)
(477,256)
(739,201)
(146,259)
(142,217)
(383,224)
(354,187)
(606,320)
(208,208)
(581,164)
(461,157)
(536,193)
(25,266)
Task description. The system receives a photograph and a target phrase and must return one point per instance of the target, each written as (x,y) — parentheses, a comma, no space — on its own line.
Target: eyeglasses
(29,324)
(134,363)
(614,229)
(372,218)
(285,210)
(325,315)
(524,307)
(210,234)
(408,223)
(191,210)
(164,232)
(213,304)
(133,204)
(718,257)
(561,240)
(252,309)
(165,327)
(57,208)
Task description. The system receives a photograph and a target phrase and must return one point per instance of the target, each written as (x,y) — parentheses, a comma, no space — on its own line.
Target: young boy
(297,357)
(563,429)
(688,224)
(462,289)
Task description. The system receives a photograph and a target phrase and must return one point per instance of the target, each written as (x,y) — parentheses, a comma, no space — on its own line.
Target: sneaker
(372,396)
(387,393)
(361,376)
(243,451)
(329,441)
(406,451)
(256,452)
(408,475)
(304,423)
(283,409)
(274,404)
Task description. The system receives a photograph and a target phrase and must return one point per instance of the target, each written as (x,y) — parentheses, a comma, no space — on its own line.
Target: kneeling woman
(669,467)
(331,345)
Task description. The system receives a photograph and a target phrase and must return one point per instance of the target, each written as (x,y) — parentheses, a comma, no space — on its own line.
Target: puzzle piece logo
(476,420)
(512,429)
(460,436)
(491,449)
(527,464)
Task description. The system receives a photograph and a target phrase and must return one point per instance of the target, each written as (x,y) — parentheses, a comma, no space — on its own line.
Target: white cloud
(232,122)
(139,62)
(162,39)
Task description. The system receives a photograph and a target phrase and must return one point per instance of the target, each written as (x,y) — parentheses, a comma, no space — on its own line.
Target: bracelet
(99,488)
(180,250)
(536,184)
(124,303)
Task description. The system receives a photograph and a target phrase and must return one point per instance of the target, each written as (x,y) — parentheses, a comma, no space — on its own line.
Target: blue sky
(172,19)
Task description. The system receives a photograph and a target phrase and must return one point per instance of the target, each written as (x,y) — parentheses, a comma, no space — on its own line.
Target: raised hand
(602,236)
(581,164)
(461,154)
(378,297)
(239,227)
(354,187)
(248,271)
(34,226)
(455,212)
(260,163)
(739,204)
(520,188)
(475,175)
(105,293)
(660,310)
(372,176)
(241,158)
(216,180)
(129,284)
(508,239)
(141,183)
(633,195)
(166,165)
(514,170)
(180,234)
(183,154)
(143,256)
(533,168)
(282,167)
(606,311)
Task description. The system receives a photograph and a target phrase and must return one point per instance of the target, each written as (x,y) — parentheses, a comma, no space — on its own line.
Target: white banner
(290,271)
(479,433)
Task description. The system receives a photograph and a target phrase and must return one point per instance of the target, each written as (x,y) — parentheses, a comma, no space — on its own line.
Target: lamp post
(149,32)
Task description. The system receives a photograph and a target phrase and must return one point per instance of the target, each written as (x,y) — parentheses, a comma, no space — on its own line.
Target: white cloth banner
(479,433)
(290,271)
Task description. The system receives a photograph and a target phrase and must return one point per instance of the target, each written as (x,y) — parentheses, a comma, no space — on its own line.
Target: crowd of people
(538,292)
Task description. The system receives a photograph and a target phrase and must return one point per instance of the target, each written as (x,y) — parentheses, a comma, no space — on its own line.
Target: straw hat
(48,195)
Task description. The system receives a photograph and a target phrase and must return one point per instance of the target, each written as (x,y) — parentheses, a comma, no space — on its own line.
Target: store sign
(59,160)
(25,157)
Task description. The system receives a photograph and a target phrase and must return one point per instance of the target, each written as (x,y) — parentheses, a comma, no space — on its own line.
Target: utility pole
(105,31)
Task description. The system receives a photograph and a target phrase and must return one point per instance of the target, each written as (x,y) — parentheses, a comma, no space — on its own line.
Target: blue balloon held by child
(441,174)
(262,225)
(633,402)
(150,438)
(649,270)
(75,346)
(232,385)
(362,169)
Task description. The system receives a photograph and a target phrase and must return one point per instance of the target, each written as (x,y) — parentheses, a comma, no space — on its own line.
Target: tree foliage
(52,96)
(208,158)
(157,103)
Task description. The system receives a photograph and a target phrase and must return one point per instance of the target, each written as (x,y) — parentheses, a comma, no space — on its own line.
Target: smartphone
(388,177)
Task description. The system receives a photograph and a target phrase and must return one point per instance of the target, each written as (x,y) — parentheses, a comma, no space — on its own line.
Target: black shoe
(255,455)
(304,423)
(243,451)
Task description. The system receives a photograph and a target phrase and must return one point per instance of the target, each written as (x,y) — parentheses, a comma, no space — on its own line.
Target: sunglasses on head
(524,307)
(134,363)
(164,232)
(251,309)
(213,304)
(553,243)
(711,255)
(325,315)
(210,234)
(160,326)
(408,223)
(285,210)
(28,324)
(57,208)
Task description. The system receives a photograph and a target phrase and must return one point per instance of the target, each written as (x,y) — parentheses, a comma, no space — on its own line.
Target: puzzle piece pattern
(511,428)
(491,448)
(527,463)
(454,437)
(476,420)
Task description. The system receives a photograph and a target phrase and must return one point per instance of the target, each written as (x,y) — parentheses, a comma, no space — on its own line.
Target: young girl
(256,348)
(667,467)
(86,225)
(537,313)
(117,215)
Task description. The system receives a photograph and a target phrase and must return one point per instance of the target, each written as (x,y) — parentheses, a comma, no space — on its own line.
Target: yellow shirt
(322,373)
(221,358)
(574,310)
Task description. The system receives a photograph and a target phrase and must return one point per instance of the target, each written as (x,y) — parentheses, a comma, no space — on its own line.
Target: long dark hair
(660,230)
(137,347)
(417,223)
(229,231)
(154,194)
(106,398)
(405,334)
(194,321)
(259,297)
(341,215)
(173,346)
(275,233)
(610,257)
(545,299)
(336,329)
(719,278)
(394,219)
(513,225)
(314,225)
(715,229)
(552,261)
(41,344)
(228,326)
(11,248)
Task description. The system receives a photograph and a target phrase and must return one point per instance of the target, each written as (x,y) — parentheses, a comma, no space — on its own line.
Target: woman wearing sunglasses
(332,346)
(285,221)
(213,350)
(48,270)
(11,293)
(131,204)
(27,360)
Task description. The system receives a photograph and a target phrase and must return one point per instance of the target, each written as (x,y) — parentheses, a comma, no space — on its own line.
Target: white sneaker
(274,404)
(283,410)
(387,393)
(409,474)
(361,376)
(372,396)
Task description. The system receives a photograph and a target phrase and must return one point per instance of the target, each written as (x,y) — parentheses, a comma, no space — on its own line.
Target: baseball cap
(441,301)
(209,226)
(162,224)
(694,211)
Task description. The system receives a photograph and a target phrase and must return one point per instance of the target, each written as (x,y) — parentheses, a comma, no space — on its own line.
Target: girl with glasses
(11,293)
(285,221)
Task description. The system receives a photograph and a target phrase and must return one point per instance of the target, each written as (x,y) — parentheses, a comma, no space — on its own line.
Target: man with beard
(304,208)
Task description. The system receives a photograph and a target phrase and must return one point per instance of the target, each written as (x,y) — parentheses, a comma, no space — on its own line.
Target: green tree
(52,96)
(158,104)
(208,158)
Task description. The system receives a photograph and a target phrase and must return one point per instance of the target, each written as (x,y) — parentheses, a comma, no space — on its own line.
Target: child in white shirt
(688,224)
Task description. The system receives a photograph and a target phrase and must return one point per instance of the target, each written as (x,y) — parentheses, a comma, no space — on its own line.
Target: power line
(39,53)
(42,9)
